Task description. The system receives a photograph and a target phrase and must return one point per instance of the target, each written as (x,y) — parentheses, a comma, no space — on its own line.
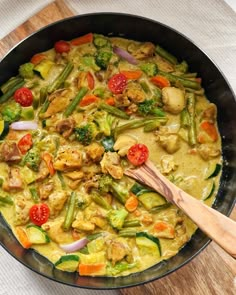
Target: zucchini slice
(151,200)
(43,68)
(213,170)
(68,263)
(37,235)
(148,244)
(208,190)
(4,129)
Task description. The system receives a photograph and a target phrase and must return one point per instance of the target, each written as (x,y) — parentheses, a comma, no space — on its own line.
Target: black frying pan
(217,91)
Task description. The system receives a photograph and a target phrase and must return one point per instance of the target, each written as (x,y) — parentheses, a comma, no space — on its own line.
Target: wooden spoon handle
(217,226)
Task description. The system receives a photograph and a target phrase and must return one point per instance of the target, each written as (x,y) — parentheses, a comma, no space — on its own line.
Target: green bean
(44,107)
(70,212)
(10,83)
(145,87)
(189,75)
(94,236)
(114,111)
(127,233)
(151,126)
(159,208)
(184,119)
(6,200)
(61,78)
(34,194)
(185,82)
(43,94)
(199,92)
(192,137)
(131,223)
(62,181)
(165,54)
(100,201)
(71,107)
(11,91)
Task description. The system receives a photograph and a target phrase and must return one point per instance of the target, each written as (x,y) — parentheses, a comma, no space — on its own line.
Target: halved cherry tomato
(37,58)
(25,143)
(138,154)
(117,83)
(62,46)
(39,214)
(24,96)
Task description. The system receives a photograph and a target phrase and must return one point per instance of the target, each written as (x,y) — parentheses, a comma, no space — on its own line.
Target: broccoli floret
(26,70)
(104,122)
(150,69)
(149,106)
(87,133)
(32,159)
(117,217)
(108,143)
(103,58)
(89,62)
(182,67)
(11,112)
(107,184)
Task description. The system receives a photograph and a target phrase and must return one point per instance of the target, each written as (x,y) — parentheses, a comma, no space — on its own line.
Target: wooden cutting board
(212,272)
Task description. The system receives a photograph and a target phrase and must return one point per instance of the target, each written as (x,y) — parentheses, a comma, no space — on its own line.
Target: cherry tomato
(25,143)
(62,46)
(39,214)
(23,96)
(138,154)
(117,83)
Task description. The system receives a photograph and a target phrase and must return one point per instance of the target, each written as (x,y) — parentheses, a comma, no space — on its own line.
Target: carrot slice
(89,269)
(162,226)
(90,80)
(110,101)
(88,99)
(48,160)
(210,129)
(22,237)
(160,81)
(37,58)
(82,40)
(132,75)
(132,203)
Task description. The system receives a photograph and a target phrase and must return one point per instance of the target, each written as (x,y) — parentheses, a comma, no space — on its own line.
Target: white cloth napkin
(211,24)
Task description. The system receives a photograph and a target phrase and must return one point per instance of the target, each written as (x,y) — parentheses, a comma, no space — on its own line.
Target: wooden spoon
(217,226)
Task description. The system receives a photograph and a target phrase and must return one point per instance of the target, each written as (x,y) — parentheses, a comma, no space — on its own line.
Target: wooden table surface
(212,271)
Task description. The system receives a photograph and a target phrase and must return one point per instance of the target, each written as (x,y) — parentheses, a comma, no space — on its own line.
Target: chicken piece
(111,164)
(75,175)
(22,206)
(56,202)
(10,152)
(210,113)
(83,225)
(45,190)
(167,164)
(173,99)
(134,92)
(56,232)
(208,151)
(69,159)
(170,142)
(95,151)
(43,171)
(14,181)
(117,249)
(90,184)
(65,127)
(122,100)
(59,100)
(99,221)
(141,51)
(123,143)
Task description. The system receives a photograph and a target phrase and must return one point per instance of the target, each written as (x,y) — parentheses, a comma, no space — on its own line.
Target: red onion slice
(125,55)
(77,245)
(24,125)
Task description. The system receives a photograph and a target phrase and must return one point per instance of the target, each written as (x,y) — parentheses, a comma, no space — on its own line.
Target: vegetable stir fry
(71,121)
